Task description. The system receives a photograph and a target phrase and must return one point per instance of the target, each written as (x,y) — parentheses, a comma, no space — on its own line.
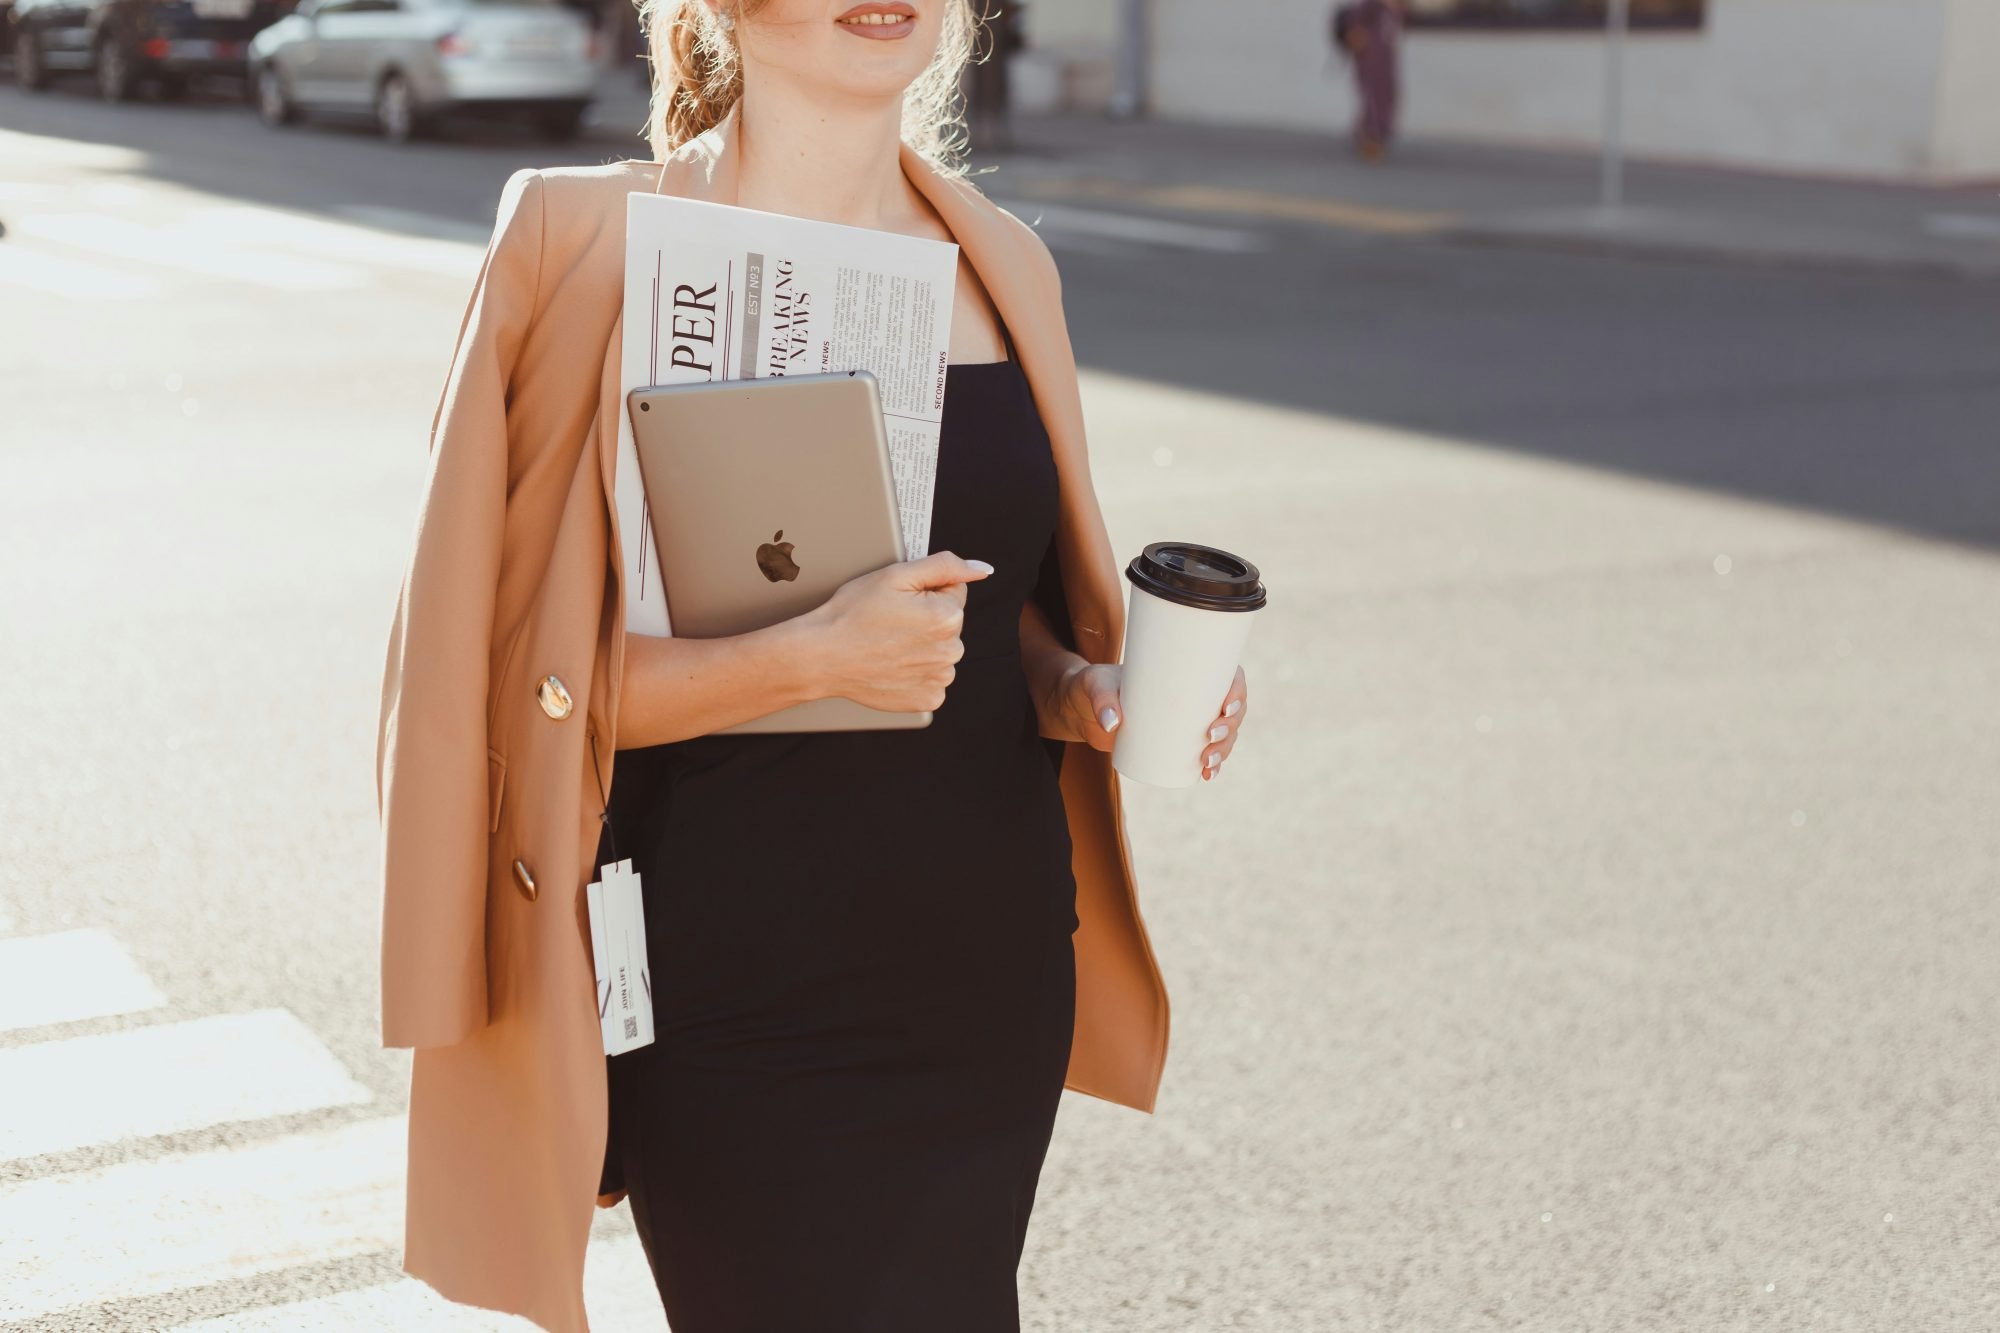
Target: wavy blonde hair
(698,77)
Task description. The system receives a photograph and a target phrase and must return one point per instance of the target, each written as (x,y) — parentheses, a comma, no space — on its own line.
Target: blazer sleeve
(431,761)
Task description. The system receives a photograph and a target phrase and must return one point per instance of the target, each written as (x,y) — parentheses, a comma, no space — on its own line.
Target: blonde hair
(698,77)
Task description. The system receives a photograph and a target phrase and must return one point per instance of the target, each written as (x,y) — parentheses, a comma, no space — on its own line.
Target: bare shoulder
(1032,248)
(1030,241)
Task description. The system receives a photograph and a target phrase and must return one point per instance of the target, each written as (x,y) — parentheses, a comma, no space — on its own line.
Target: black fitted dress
(863,982)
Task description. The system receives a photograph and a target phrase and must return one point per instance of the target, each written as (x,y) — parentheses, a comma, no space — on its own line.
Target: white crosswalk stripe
(400,1305)
(167,1078)
(67,976)
(618,1292)
(92,1239)
(140,1228)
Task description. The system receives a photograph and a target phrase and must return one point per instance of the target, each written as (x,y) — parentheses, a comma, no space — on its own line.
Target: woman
(868,1004)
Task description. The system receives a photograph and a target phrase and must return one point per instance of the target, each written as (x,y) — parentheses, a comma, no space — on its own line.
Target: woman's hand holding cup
(1086,704)
(1222,731)
(1087,709)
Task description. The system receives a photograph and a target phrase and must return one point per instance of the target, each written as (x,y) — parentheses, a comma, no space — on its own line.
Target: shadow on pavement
(1868,395)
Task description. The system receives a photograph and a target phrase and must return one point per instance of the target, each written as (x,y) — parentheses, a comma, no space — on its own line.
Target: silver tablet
(764,496)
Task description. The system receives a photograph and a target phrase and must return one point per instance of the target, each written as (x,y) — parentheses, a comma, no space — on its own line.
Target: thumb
(1103,689)
(942,569)
(1099,689)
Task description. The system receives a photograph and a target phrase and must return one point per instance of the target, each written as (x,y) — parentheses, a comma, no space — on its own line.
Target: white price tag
(618,950)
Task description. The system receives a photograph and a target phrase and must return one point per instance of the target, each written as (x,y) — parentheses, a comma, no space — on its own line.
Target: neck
(802,154)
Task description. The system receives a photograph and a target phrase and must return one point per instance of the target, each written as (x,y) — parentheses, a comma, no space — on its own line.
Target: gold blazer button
(525,880)
(555,698)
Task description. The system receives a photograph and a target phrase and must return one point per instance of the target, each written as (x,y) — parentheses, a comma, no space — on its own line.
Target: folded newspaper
(716,292)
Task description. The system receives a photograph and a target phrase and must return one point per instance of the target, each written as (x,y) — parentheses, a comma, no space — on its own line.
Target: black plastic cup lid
(1197,576)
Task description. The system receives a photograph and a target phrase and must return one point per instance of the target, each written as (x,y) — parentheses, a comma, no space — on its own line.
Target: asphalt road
(1596,929)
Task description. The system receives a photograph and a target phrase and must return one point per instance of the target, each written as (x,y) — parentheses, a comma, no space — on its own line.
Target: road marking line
(141,1228)
(1256,203)
(1964,226)
(428,226)
(72,278)
(187,248)
(1157,231)
(66,976)
(373,247)
(165,1079)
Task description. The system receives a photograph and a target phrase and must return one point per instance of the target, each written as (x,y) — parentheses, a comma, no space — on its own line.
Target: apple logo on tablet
(774,557)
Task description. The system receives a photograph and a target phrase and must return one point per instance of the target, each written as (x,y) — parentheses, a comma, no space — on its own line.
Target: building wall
(1067,62)
(1968,133)
(1854,86)
(1059,24)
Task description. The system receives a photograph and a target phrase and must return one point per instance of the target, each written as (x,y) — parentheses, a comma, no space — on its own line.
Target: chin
(804,39)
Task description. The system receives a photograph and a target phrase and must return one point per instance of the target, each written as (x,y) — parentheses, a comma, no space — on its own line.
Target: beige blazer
(488,795)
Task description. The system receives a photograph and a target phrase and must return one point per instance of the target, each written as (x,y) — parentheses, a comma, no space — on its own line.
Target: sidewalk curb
(1502,236)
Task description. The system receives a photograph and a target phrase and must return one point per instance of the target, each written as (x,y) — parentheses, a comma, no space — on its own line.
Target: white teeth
(877,19)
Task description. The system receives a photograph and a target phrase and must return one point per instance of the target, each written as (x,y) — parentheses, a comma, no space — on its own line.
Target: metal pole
(1611,185)
(1128,93)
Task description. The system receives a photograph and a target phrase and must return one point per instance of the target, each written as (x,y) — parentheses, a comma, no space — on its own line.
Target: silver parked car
(408,63)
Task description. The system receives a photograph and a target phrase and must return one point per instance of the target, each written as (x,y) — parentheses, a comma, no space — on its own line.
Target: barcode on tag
(618,956)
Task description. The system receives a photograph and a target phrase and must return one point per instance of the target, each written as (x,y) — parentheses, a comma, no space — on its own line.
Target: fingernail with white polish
(1218,731)
(1109,719)
(981,566)
(1214,758)
(1235,707)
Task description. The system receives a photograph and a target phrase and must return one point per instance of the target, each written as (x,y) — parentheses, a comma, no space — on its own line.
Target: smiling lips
(879,21)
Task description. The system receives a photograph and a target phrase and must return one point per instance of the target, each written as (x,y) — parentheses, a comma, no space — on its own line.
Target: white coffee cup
(1191,611)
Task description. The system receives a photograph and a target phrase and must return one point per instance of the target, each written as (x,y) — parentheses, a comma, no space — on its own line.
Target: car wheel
(29,71)
(396,109)
(116,79)
(560,124)
(274,101)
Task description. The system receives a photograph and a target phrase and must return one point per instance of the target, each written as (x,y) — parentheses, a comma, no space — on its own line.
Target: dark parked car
(127,43)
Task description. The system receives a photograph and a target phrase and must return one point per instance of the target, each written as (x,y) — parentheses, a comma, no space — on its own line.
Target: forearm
(1046,663)
(672,689)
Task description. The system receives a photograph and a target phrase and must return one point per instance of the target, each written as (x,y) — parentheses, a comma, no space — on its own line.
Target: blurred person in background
(877,957)
(1368,33)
